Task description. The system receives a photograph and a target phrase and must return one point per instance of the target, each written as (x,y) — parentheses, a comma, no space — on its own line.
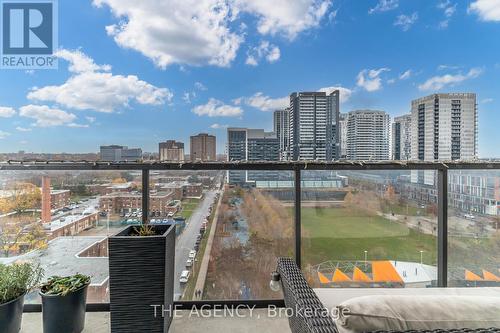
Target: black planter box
(11,314)
(141,278)
(64,313)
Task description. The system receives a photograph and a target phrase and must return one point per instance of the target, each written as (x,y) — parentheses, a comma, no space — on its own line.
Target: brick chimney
(46,205)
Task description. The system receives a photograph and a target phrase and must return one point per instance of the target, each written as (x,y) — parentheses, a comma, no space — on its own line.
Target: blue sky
(139,72)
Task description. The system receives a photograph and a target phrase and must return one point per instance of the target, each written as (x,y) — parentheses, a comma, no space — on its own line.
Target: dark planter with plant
(63,303)
(15,282)
(141,276)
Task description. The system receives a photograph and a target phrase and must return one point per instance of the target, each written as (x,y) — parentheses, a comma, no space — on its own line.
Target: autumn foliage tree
(23,196)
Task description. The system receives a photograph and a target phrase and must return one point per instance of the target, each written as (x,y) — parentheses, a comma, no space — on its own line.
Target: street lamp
(366,258)
(421,257)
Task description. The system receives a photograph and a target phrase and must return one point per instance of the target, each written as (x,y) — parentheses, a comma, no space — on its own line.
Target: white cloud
(45,116)
(4,134)
(187,97)
(75,125)
(487,10)
(91,119)
(204,32)
(218,126)
(440,82)
(449,10)
(384,6)
(265,50)
(200,86)
(89,89)
(345,93)
(370,80)
(193,32)
(487,100)
(447,67)
(285,17)
(263,102)
(405,21)
(216,108)
(405,75)
(80,62)
(23,129)
(7,112)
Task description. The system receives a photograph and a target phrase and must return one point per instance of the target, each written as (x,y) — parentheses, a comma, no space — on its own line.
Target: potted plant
(141,276)
(63,303)
(16,281)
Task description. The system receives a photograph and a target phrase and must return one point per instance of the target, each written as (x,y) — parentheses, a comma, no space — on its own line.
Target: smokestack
(46,206)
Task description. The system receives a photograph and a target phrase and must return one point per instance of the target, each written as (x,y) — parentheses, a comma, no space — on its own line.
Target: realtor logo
(28,34)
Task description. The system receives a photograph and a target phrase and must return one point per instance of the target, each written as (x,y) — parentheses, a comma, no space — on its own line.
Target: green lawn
(404,210)
(341,234)
(188,207)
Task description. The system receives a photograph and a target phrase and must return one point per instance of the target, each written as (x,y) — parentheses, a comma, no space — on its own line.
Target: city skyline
(154,92)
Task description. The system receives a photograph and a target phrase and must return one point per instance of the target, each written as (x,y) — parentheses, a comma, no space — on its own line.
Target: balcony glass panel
(61,220)
(369,229)
(252,226)
(473,228)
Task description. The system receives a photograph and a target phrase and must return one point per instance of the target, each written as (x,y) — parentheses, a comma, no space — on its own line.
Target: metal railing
(441,168)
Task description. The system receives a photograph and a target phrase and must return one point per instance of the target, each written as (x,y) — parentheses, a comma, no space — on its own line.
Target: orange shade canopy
(488,276)
(384,271)
(323,279)
(340,276)
(359,276)
(469,276)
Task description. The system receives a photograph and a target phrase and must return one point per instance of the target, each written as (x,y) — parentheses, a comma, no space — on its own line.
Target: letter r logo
(27,28)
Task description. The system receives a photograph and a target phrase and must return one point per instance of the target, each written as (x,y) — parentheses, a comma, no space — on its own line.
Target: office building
(313,126)
(401,138)
(368,135)
(116,153)
(444,128)
(171,151)
(202,147)
(246,144)
(281,122)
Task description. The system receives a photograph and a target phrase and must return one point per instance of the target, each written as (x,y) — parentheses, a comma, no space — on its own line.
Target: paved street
(185,242)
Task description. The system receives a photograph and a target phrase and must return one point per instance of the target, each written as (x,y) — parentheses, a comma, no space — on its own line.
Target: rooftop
(61,258)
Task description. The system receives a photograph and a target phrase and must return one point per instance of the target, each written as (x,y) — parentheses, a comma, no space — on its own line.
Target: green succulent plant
(62,286)
(18,279)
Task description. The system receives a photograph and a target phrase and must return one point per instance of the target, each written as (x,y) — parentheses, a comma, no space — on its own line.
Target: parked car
(192,254)
(184,276)
(189,263)
(197,247)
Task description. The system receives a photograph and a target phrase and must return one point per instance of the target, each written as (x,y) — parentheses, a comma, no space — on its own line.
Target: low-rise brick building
(120,203)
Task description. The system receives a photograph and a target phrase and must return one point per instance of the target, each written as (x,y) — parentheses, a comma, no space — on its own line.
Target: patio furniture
(310,315)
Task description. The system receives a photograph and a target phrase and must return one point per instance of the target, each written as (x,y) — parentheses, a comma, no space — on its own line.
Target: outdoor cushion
(331,297)
(371,313)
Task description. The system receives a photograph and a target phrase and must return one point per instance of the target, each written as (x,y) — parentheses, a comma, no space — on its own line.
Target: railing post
(442,266)
(298,233)
(145,196)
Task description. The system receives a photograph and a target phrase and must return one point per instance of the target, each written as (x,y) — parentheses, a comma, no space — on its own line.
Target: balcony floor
(259,322)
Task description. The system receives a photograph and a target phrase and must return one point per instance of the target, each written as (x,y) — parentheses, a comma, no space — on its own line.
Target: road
(186,241)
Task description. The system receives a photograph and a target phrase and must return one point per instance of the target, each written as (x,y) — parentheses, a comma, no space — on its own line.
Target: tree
(14,238)
(24,196)
(390,195)
(10,235)
(119,180)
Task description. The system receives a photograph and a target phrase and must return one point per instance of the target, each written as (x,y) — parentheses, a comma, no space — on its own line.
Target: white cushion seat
(363,310)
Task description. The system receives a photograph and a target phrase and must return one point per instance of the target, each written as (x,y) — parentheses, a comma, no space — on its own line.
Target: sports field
(344,234)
